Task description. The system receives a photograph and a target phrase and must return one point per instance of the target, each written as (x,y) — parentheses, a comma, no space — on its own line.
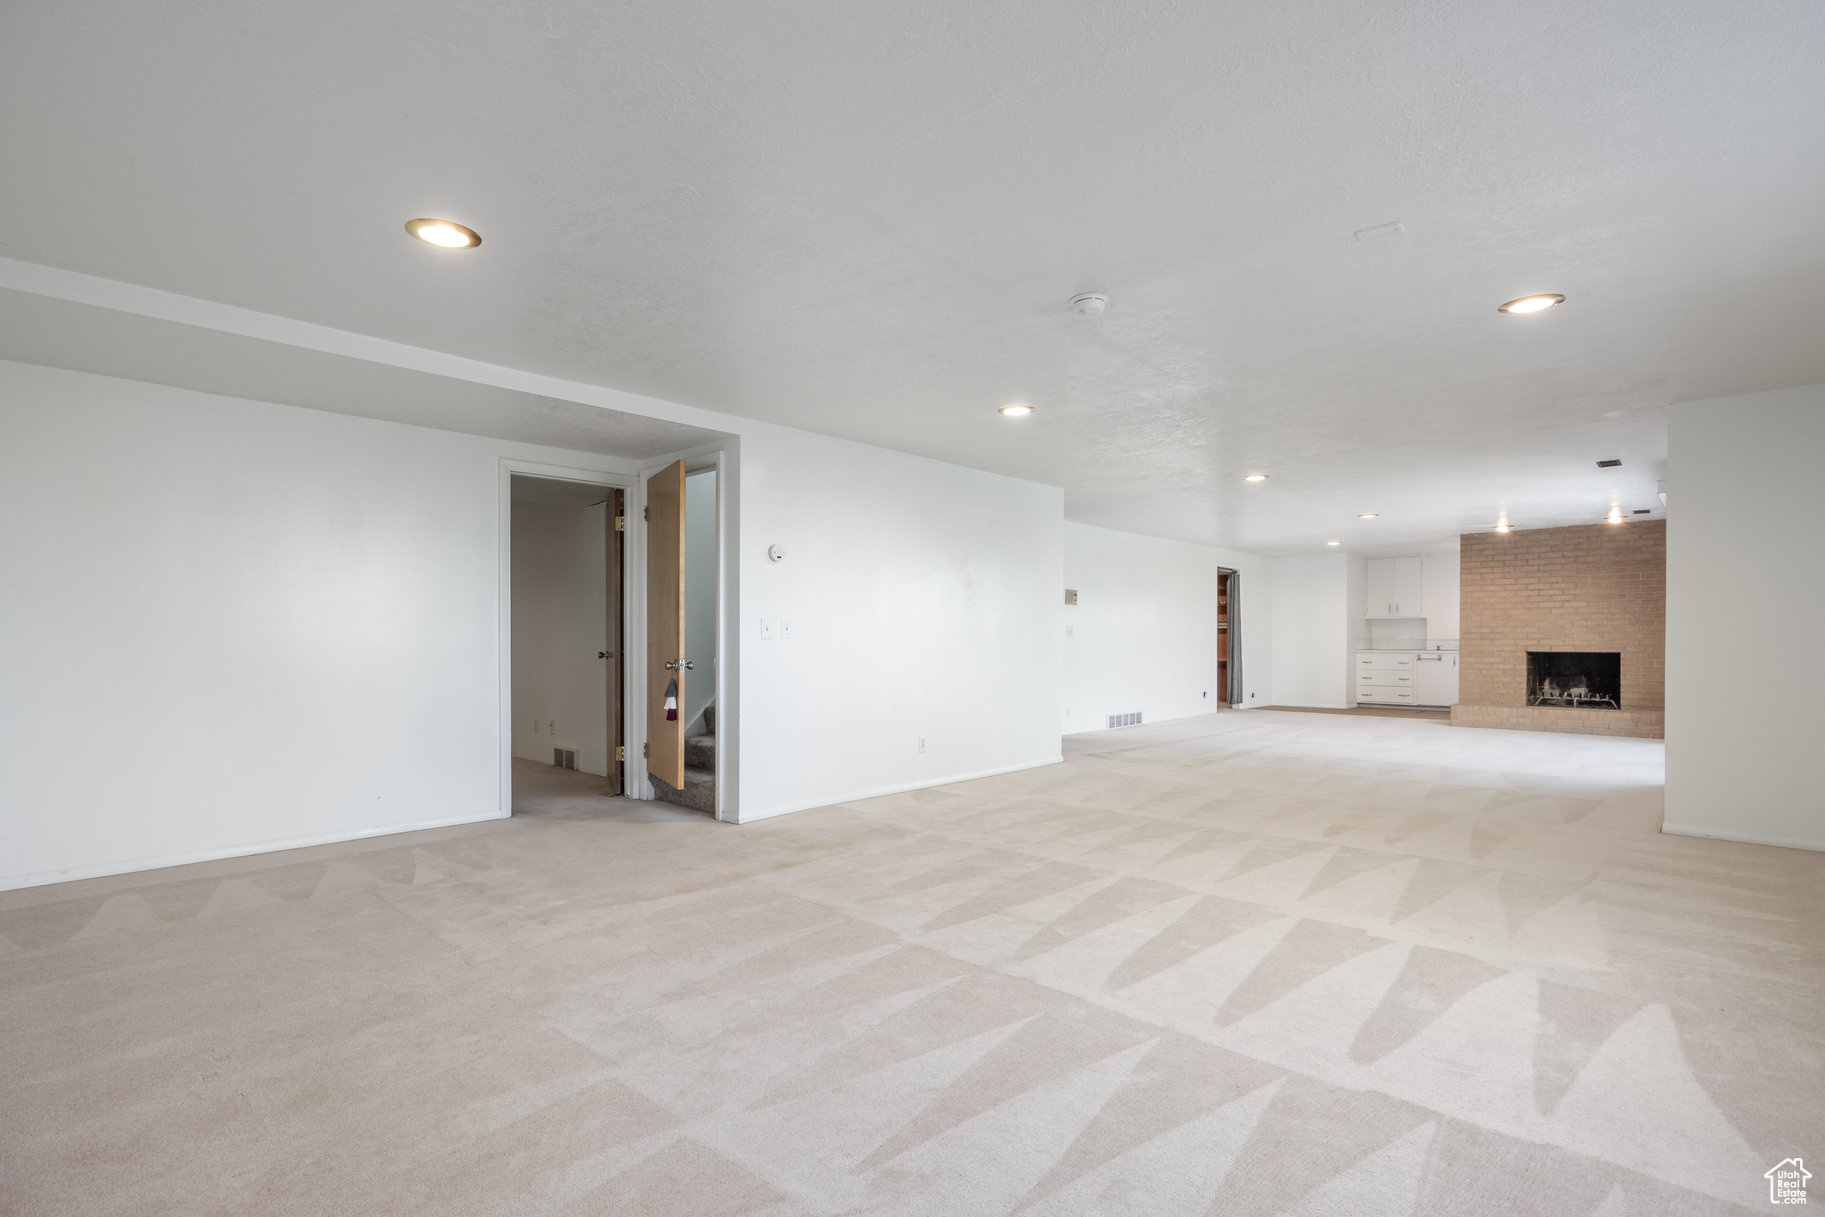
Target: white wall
(1745,589)
(924,601)
(699,596)
(1315,616)
(231,626)
(1143,634)
(560,623)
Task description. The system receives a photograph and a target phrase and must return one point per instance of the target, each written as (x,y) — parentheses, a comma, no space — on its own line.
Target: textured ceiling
(866,219)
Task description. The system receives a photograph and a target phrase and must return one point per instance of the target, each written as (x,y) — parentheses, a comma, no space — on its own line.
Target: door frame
(1232,641)
(633,592)
(1226,645)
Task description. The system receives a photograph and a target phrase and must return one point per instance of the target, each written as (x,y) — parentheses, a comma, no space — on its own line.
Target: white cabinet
(1435,678)
(1386,678)
(1409,587)
(1394,587)
(1378,584)
(1406,678)
(1386,697)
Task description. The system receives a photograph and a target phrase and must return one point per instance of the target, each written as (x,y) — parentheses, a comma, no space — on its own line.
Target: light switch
(785,628)
(766,627)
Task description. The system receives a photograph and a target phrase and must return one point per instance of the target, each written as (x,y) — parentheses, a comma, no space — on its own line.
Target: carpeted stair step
(699,793)
(700,752)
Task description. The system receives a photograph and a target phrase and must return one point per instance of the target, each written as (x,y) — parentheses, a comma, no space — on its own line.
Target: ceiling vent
(1608,464)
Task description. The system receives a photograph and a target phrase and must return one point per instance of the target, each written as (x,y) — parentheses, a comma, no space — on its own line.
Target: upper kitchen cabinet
(1394,587)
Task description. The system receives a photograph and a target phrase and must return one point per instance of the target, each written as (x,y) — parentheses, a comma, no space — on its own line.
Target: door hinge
(645,750)
(620,752)
(620,523)
(646,513)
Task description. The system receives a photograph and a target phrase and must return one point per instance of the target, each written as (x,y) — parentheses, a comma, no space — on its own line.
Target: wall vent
(564,758)
(1125,720)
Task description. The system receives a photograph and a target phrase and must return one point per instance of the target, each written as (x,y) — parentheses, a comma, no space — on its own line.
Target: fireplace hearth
(1589,680)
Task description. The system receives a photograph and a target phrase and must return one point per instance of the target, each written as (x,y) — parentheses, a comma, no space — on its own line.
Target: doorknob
(679,665)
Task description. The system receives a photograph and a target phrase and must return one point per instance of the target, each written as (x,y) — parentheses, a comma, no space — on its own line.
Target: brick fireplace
(1588,603)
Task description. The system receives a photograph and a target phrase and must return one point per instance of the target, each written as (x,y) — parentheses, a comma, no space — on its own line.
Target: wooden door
(665,624)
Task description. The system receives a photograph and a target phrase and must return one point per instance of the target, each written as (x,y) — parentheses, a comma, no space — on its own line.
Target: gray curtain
(1236,696)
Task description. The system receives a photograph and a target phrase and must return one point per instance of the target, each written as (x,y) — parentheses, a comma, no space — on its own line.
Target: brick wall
(1593,587)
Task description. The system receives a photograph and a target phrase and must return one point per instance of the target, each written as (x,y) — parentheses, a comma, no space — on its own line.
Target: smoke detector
(1089,304)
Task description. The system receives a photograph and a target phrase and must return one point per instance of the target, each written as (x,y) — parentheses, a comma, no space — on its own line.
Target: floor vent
(564,758)
(1125,720)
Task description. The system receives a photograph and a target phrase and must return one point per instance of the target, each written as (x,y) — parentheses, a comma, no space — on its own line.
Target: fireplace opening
(1583,679)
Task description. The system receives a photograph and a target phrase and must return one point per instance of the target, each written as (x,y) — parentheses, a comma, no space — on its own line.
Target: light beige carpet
(1236,965)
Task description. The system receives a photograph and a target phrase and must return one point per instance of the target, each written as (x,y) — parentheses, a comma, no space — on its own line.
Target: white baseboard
(748,817)
(133,865)
(1679,830)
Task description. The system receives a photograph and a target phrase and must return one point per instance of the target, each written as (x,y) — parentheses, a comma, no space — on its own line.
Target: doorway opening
(568,642)
(1223,638)
(1229,640)
(682,641)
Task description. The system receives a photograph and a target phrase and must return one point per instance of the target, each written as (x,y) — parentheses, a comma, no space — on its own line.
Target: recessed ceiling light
(1531,304)
(446,234)
(1017,409)
(1254,477)
(1333,542)
(1501,528)
(1615,515)
(1368,515)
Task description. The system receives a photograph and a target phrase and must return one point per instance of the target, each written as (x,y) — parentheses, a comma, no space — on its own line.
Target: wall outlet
(785,628)
(551,726)
(535,726)
(921,743)
(766,627)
